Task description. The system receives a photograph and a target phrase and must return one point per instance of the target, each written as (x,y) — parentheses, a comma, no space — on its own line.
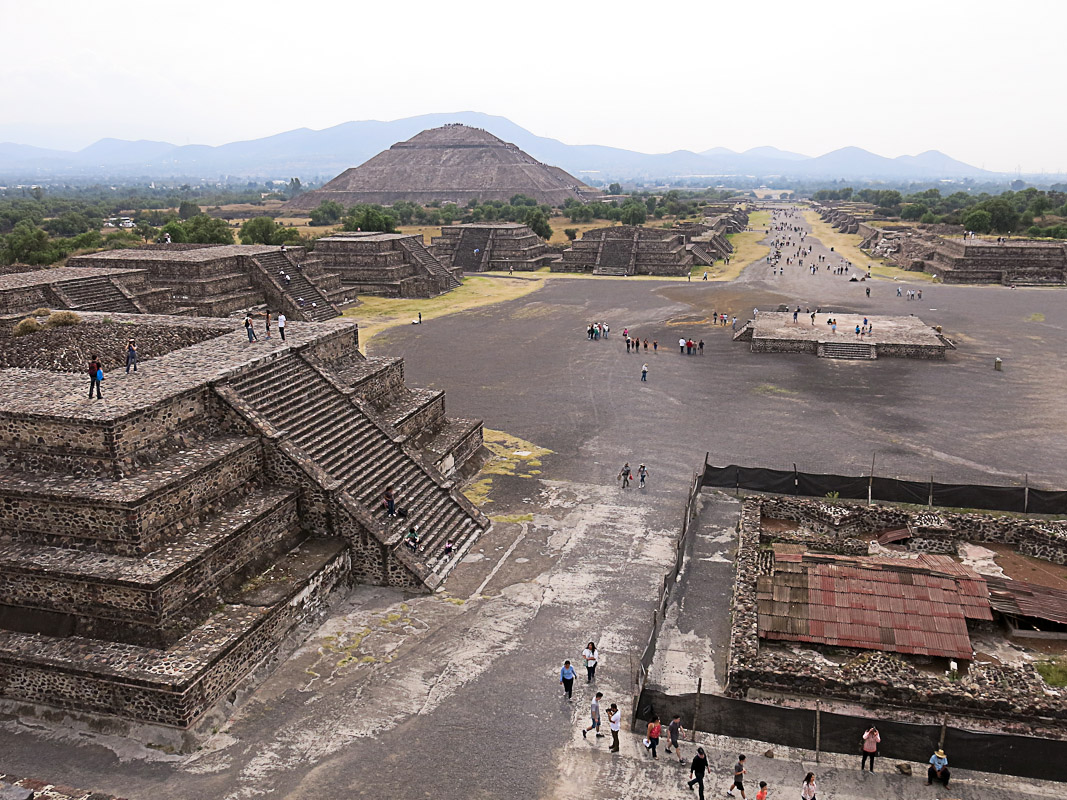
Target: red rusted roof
(917,605)
(1022,599)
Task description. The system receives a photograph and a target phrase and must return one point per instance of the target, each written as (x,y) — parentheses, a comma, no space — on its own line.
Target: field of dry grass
(376,314)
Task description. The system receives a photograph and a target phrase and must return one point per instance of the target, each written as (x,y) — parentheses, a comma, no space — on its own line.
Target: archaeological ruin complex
(952,258)
(159,545)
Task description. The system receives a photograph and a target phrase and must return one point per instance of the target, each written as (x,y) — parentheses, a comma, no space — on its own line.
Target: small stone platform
(888,337)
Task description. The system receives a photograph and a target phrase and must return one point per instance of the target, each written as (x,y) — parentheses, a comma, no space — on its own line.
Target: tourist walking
(250,330)
(681,346)
(644,372)
(642,473)
(131,356)
(808,787)
(938,769)
(266,322)
(614,725)
(697,770)
(871,740)
(281,326)
(652,735)
(591,655)
(389,501)
(96,374)
(566,678)
(594,716)
(674,732)
(739,777)
(700,347)
(626,476)
(762,793)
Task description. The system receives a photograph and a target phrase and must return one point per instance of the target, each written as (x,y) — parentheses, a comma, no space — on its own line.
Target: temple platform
(880,337)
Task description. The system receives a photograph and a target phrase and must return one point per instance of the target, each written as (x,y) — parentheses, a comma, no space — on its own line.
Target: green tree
(571,233)
(1003,217)
(369,218)
(188,209)
(538,223)
(633,212)
(929,218)
(295,187)
(203,229)
(913,211)
(146,231)
(978,220)
(177,232)
(328,213)
(28,244)
(615,188)
(259,230)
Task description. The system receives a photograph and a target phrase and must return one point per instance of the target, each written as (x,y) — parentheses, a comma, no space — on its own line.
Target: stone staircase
(470,240)
(326,423)
(847,350)
(702,255)
(615,258)
(424,258)
(298,287)
(97,294)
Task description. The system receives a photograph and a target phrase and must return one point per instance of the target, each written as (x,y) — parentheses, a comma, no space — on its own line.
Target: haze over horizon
(802,78)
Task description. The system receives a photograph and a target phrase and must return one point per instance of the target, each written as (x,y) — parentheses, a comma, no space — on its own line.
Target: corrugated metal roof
(1022,599)
(909,605)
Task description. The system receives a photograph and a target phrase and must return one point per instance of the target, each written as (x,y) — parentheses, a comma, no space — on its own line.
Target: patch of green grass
(1036,317)
(1053,671)
(770,388)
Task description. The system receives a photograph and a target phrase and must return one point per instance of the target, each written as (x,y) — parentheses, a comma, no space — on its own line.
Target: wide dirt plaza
(456,694)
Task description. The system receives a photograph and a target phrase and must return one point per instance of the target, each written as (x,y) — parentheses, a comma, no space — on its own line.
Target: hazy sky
(981,81)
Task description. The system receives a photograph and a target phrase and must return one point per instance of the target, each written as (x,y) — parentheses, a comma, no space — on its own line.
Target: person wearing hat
(938,770)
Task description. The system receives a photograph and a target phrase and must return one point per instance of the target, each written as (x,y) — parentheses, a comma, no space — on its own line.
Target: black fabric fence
(1022,499)
(1005,754)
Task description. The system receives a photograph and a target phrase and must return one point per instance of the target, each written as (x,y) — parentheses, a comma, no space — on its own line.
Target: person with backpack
(625,476)
(96,374)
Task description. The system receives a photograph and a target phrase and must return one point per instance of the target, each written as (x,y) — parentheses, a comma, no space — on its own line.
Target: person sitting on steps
(412,539)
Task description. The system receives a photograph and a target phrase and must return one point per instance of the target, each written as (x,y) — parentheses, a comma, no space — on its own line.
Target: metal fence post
(930,499)
(818,730)
(696,712)
(1026,492)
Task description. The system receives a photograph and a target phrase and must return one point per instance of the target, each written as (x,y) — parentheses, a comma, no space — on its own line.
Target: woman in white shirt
(807,789)
(590,655)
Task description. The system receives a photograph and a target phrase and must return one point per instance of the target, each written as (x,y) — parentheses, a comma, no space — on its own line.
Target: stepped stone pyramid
(453,163)
(158,546)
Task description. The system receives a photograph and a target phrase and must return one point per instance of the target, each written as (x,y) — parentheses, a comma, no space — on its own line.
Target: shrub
(28,325)
(40,312)
(58,318)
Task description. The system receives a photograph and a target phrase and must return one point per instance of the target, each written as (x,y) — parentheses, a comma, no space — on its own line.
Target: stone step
(130,516)
(848,350)
(151,600)
(177,685)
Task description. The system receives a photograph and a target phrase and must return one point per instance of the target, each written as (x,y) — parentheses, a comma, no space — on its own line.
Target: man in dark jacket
(697,770)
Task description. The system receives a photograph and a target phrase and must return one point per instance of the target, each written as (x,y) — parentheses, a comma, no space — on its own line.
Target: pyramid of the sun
(453,163)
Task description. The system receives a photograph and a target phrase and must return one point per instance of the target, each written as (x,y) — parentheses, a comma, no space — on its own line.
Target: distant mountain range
(322,154)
